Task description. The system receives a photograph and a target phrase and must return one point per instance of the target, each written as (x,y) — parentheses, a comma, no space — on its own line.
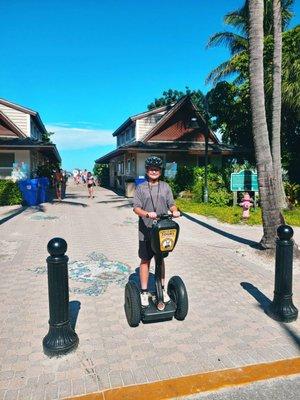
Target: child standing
(152,198)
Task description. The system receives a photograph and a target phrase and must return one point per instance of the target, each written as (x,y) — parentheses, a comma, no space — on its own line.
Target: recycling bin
(29,189)
(43,185)
(138,181)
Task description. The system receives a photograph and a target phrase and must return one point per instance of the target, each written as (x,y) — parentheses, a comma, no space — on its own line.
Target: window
(6,163)
(128,166)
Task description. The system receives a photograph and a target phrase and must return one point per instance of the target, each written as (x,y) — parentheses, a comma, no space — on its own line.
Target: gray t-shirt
(162,199)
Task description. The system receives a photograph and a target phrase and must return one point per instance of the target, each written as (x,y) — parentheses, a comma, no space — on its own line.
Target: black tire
(132,304)
(177,292)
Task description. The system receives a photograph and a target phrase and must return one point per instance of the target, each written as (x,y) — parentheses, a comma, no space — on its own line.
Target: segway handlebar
(168,215)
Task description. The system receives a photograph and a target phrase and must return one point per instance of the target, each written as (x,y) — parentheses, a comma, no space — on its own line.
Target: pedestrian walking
(152,198)
(64,184)
(57,183)
(90,183)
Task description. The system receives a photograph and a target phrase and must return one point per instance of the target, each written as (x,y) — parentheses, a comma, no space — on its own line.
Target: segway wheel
(132,304)
(177,292)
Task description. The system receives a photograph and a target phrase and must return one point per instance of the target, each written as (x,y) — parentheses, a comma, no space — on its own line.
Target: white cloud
(67,138)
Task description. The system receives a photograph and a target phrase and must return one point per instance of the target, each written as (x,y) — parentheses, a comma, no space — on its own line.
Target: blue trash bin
(43,184)
(138,181)
(29,189)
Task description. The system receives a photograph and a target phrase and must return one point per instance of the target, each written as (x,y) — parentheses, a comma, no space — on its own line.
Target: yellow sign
(167,238)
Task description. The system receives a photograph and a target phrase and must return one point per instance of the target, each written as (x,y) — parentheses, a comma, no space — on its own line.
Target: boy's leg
(163,272)
(144,273)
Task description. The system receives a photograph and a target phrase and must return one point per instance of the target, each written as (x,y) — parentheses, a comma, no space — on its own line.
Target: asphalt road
(272,389)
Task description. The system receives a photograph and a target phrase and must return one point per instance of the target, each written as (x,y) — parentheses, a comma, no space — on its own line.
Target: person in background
(90,183)
(64,184)
(57,183)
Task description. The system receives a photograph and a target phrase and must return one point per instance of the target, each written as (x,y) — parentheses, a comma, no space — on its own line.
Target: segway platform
(152,314)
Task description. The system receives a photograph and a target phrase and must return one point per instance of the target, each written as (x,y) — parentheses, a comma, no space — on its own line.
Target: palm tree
(276,103)
(238,43)
(270,210)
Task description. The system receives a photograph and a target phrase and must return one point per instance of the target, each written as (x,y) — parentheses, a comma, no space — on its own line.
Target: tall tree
(271,215)
(276,103)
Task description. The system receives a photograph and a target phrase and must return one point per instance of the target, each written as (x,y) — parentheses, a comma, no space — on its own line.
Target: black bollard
(282,307)
(61,338)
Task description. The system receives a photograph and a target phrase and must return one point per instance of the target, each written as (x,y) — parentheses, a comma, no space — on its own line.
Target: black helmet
(153,161)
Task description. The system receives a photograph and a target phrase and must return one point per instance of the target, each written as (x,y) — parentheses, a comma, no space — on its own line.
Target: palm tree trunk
(270,211)
(276,109)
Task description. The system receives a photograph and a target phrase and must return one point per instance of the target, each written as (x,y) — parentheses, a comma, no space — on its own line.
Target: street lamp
(194,124)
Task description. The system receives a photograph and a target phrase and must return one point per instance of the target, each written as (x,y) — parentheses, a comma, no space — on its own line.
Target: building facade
(176,133)
(22,143)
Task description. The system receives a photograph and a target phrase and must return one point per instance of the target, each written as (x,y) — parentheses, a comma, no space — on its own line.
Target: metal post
(61,338)
(282,307)
(205,194)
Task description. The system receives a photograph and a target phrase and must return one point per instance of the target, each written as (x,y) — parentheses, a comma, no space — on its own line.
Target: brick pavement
(226,326)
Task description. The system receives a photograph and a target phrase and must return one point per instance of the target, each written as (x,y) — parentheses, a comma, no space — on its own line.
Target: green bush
(219,197)
(292,191)
(46,170)
(184,179)
(101,171)
(9,193)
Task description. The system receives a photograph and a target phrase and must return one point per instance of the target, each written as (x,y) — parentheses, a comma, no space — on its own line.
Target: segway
(164,236)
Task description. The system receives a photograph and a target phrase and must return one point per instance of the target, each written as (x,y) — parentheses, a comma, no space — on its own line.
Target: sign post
(243,181)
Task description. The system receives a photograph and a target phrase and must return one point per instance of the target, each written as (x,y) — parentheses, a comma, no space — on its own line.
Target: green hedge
(9,193)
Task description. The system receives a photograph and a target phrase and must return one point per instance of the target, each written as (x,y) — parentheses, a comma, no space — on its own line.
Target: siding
(19,118)
(144,125)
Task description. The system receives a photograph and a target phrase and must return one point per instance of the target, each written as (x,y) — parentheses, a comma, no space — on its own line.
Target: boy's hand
(152,215)
(176,214)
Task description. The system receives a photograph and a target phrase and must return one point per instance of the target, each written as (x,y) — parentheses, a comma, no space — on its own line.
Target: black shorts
(145,250)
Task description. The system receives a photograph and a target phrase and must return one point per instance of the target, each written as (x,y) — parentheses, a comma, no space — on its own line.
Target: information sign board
(244,181)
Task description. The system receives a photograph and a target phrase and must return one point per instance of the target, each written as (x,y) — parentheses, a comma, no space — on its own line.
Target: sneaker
(144,299)
(166,296)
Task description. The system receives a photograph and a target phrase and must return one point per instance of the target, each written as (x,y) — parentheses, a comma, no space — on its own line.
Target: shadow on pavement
(71,203)
(12,215)
(238,239)
(75,196)
(111,201)
(263,300)
(264,303)
(74,307)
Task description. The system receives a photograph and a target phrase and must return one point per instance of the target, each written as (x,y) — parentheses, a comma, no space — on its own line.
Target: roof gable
(175,125)
(32,113)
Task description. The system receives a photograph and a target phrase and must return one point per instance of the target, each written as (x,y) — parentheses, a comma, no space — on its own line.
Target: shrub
(292,191)
(101,171)
(9,193)
(184,179)
(219,197)
(46,170)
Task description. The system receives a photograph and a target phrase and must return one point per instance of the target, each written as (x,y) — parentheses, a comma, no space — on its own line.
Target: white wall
(20,156)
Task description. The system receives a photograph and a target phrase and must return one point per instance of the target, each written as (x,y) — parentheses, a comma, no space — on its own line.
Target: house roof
(157,147)
(25,110)
(184,100)
(11,126)
(29,144)
(144,114)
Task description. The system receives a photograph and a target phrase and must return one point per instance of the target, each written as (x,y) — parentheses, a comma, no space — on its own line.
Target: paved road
(272,389)
(228,283)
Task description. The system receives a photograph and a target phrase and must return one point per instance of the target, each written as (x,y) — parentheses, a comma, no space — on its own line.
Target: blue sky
(87,65)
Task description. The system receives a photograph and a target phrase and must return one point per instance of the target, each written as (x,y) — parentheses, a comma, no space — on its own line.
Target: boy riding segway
(152,198)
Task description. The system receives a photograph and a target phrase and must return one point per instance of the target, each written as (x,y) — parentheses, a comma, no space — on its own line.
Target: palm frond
(233,41)
(224,70)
